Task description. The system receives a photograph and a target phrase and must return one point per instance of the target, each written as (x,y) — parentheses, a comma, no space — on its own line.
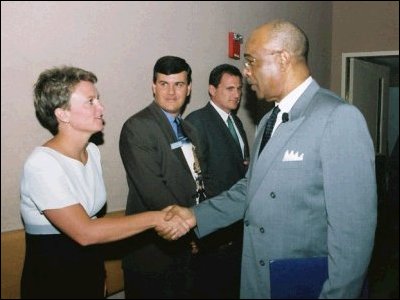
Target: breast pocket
(292,164)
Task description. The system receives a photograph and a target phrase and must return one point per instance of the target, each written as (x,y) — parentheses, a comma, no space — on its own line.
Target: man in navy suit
(311,190)
(225,154)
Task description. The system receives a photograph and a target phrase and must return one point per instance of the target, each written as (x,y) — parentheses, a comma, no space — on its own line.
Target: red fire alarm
(235,39)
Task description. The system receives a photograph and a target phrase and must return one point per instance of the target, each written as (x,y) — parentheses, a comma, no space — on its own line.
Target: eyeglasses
(250,61)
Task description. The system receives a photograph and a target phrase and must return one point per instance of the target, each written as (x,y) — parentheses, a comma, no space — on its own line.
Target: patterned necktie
(179,130)
(269,126)
(200,190)
(231,128)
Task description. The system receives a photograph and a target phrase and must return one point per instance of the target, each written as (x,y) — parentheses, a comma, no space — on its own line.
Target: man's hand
(173,228)
(183,212)
(176,215)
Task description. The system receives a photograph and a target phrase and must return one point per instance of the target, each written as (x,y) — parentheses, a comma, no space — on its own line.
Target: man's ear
(61,115)
(285,59)
(211,90)
(189,90)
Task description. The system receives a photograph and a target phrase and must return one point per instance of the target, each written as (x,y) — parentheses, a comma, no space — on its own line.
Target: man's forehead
(182,76)
(257,41)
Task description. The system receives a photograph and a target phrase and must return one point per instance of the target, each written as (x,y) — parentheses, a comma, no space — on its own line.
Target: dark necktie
(231,128)
(179,130)
(269,126)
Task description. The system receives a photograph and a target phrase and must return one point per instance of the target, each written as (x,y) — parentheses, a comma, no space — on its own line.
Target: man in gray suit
(225,153)
(156,153)
(311,191)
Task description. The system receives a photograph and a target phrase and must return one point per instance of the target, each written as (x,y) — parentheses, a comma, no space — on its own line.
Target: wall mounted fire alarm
(235,39)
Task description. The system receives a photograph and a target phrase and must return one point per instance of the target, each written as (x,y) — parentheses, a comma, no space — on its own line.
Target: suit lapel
(221,126)
(191,134)
(242,133)
(162,122)
(167,131)
(271,153)
(274,148)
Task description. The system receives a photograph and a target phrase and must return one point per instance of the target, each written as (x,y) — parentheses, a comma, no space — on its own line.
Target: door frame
(346,66)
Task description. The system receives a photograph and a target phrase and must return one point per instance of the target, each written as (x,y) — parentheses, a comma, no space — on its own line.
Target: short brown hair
(53,89)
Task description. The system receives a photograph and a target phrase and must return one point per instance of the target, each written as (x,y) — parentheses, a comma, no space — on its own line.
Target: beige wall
(120,42)
(362,26)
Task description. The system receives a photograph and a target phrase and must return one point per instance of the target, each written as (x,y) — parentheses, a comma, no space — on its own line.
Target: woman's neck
(73,147)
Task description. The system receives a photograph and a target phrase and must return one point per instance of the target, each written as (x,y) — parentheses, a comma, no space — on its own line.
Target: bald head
(284,35)
(276,59)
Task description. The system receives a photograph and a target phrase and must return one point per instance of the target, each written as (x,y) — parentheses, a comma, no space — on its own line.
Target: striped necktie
(269,127)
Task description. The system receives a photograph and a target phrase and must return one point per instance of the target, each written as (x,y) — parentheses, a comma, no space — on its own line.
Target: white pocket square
(292,156)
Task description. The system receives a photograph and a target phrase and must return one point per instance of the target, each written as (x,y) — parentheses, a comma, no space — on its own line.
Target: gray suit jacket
(157,176)
(311,192)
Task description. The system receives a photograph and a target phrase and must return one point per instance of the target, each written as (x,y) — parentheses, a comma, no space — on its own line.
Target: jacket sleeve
(347,157)
(222,210)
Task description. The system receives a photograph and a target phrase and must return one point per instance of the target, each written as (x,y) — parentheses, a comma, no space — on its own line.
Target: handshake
(175,222)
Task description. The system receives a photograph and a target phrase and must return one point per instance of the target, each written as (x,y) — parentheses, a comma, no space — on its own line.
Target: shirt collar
(170,117)
(221,112)
(286,104)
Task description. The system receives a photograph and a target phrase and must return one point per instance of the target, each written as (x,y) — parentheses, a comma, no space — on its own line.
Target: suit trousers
(217,273)
(174,283)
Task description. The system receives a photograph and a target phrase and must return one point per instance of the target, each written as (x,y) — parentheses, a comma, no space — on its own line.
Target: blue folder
(298,278)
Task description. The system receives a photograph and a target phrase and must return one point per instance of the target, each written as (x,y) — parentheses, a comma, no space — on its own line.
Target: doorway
(365,84)
(370,81)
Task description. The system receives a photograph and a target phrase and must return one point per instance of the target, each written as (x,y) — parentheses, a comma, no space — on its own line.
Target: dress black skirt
(57,267)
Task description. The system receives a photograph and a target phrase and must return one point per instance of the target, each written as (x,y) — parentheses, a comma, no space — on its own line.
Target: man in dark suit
(158,160)
(225,155)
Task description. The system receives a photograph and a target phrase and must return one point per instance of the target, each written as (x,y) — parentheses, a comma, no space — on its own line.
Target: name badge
(179,144)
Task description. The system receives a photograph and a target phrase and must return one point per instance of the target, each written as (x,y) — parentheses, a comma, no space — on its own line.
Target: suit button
(272,194)
(262,229)
(246,223)
(262,263)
